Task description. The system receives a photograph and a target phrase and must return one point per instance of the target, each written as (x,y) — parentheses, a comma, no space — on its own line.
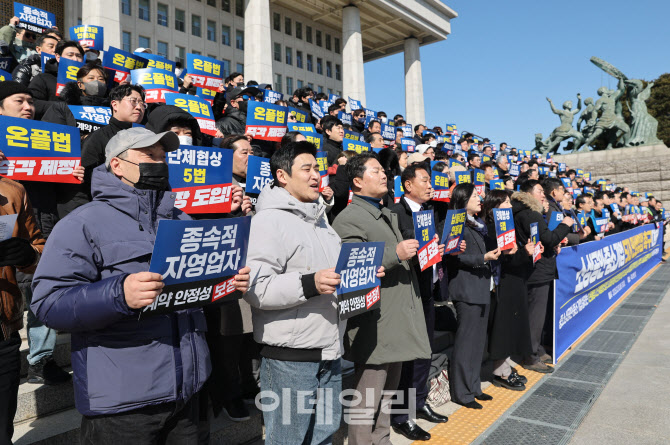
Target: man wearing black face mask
(235,119)
(134,377)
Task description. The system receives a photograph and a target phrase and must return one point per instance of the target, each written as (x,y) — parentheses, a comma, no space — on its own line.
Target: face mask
(185,140)
(153,176)
(91,56)
(178,71)
(243,106)
(361,120)
(95,88)
(384,119)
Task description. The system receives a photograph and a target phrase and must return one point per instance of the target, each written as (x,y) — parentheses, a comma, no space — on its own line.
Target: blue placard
(357,146)
(302,128)
(159,62)
(258,176)
(406,130)
(478,180)
(299,115)
(453,162)
(7,63)
(324,104)
(599,222)
(205,71)
(316,139)
(344,117)
(463,177)
(206,94)
(90,118)
(451,128)
(562,167)
(271,96)
(322,161)
(504,223)
(39,151)
(332,98)
(359,288)
(398,189)
(555,219)
(424,231)
(370,114)
(352,135)
(354,104)
(197,107)
(44,58)
(566,182)
(453,230)
(89,35)
(67,72)
(198,261)
(201,177)
(316,109)
(266,121)
(440,183)
(5,76)
(122,62)
(155,82)
(34,19)
(408,144)
(496,184)
(514,169)
(594,277)
(388,132)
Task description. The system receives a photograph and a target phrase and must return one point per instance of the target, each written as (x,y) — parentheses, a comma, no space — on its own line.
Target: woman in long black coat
(509,332)
(470,286)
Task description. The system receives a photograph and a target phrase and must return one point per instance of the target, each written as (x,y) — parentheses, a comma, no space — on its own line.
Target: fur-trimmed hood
(527,201)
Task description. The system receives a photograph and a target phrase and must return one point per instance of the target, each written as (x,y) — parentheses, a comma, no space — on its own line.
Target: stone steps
(62,428)
(61,352)
(35,400)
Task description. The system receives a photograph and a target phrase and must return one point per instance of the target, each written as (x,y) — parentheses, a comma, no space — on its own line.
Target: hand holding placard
(407,249)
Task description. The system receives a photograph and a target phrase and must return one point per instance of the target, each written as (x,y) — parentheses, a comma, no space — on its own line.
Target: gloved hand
(16,252)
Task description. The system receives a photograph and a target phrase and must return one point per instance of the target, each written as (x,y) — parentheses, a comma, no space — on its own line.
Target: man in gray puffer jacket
(292,254)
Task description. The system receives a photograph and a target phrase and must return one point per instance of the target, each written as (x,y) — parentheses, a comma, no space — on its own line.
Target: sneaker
(47,372)
(546,358)
(539,367)
(236,411)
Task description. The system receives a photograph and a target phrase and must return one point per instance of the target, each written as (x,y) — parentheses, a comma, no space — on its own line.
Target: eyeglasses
(135,102)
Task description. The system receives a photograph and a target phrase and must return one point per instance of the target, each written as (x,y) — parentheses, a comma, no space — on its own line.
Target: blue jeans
(41,339)
(300,401)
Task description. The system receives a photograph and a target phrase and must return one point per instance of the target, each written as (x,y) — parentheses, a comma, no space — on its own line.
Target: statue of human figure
(644,126)
(565,130)
(610,122)
(589,116)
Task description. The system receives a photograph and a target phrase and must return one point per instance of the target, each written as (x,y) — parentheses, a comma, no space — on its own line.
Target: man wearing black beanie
(16,100)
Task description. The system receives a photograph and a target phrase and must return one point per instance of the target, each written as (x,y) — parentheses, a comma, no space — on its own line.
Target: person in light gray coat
(379,341)
(292,254)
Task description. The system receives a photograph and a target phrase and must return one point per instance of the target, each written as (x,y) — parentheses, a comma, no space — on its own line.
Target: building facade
(288,43)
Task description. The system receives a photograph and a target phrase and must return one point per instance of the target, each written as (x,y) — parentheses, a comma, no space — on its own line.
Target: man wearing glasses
(128,108)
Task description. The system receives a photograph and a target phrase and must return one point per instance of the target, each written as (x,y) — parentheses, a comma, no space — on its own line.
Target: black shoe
(510,383)
(427,413)
(236,411)
(519,377)
(47,372)
(471,405)
(484,397)
(411,430)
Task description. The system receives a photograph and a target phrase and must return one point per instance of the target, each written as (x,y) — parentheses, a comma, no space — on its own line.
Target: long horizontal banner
(593,276)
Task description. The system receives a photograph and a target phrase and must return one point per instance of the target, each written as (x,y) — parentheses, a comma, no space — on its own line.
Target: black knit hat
(10,88)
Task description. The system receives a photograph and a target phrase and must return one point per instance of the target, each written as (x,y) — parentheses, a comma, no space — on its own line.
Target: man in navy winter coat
(136,379)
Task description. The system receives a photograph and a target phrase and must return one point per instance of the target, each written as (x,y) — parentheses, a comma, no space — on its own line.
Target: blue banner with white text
(594,275)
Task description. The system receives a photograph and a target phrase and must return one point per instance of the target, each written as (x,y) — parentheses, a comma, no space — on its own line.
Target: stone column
(106,13)
(414,111)
(257,42)
(353,80)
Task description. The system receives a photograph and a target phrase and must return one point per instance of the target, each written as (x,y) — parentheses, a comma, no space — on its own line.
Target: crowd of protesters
(152,380)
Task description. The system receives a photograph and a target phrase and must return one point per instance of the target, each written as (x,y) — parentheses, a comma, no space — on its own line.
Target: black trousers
(538,296)
(466,361)
(415,373)
(167,423)
(10,369)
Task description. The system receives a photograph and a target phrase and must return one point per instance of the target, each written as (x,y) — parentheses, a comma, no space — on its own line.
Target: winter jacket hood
(526,200)
(162,119)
